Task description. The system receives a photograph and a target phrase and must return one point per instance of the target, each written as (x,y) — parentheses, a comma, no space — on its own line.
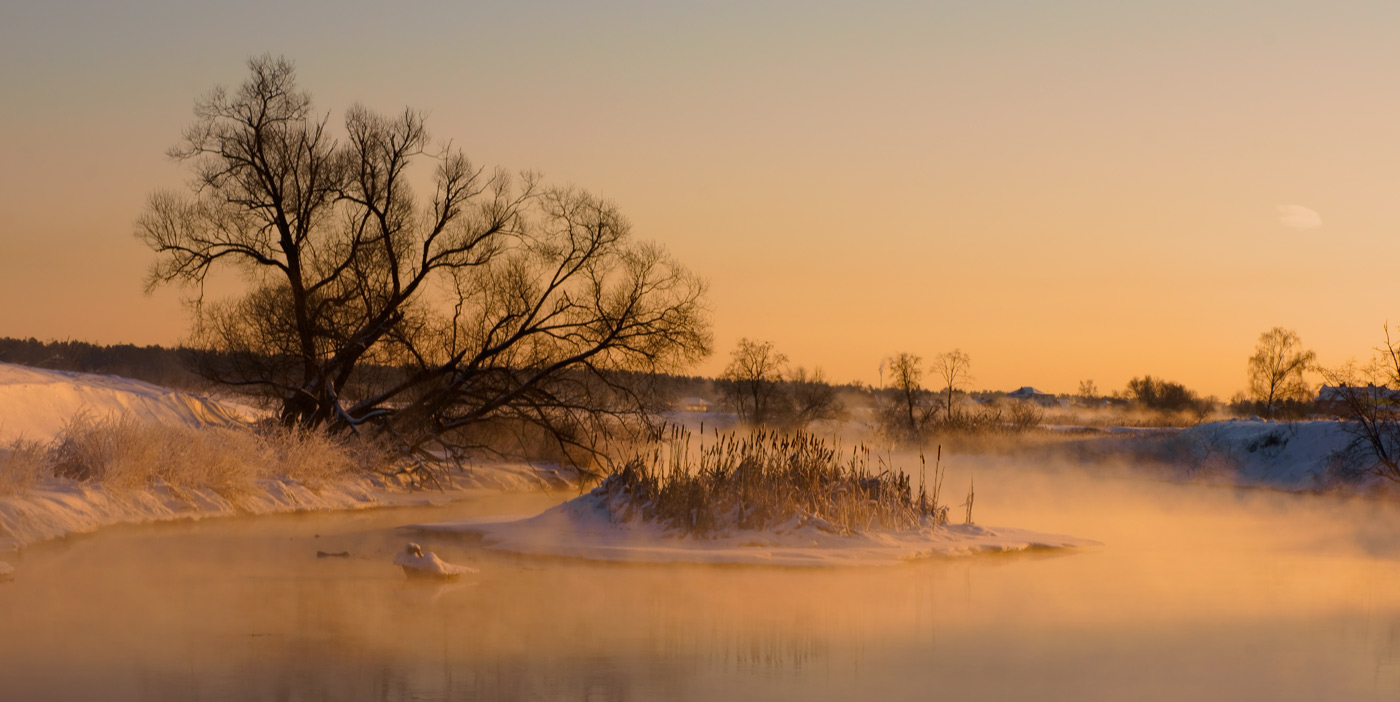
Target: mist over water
(1199,592)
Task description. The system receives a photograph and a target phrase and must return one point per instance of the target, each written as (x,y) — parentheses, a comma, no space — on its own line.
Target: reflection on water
(1197,593)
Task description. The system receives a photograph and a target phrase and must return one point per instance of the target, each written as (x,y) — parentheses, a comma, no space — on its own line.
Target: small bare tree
(909,416)
(812,398)
(1087,390)
(1276,369)
(954,369)
(1371,407)
(754,372)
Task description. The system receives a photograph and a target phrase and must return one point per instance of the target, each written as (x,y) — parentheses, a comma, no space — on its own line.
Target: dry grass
(314,457)
(22,462)
(122,452)
(767,480)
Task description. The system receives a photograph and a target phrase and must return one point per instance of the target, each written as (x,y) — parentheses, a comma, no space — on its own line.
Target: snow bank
(61,507)
(583,528)
(36,403)
(65,507)
(1284,455)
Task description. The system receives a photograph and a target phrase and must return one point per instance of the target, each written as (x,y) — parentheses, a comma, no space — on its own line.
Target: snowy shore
(36,404)
(585,528)
(1318,455)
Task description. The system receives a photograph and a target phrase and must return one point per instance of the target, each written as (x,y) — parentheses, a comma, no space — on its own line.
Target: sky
(1064,190)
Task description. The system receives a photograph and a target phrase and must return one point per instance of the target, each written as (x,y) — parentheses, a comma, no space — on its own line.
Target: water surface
(1198,592)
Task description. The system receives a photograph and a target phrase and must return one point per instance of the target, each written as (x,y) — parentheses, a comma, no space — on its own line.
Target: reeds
(769,480)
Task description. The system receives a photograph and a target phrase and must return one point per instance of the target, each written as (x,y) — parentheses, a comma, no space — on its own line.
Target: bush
(21,464)
(1166,396)
(904,422)
(122,452)
(315,457)
(1004,417)
(1024,415)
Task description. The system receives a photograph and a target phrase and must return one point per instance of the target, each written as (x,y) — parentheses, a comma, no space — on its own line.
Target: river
(1197,593)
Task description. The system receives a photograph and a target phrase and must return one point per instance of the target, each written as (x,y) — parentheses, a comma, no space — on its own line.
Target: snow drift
(585,528)
(1311,455)
(36,403)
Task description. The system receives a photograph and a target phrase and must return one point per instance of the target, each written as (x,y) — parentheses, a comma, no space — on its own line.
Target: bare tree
(754,372)
(1371,407)
(1276,369)
(1087,390)
(909,416)
(953,368)
(812,398)
(1166,396)
(489,299)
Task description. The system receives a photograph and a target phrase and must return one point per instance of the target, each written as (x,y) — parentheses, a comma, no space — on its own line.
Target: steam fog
(1198,591)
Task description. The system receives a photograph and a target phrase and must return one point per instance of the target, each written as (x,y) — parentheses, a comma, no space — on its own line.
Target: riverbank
(80,451)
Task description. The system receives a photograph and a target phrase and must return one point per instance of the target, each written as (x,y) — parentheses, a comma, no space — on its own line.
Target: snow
(584,528)
(36,403)
(64,507)
(416,563)
(1284,455)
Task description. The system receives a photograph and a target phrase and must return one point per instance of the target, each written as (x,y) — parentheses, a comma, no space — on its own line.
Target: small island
(767,498)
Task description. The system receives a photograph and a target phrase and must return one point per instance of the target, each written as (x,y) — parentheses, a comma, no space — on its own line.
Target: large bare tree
(488,298)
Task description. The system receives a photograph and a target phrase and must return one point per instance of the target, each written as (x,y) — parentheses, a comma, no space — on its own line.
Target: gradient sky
(1064,190)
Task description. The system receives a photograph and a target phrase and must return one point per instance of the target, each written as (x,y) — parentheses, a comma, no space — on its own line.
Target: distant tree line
(170,367)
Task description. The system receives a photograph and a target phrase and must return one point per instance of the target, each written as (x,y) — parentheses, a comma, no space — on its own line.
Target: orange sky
(1063,190)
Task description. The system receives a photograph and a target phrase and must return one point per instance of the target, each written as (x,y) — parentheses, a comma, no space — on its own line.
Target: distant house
(691,404)
(1030,394)
(1334,398)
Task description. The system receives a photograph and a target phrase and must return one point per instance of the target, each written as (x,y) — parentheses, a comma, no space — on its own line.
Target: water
(1198,593)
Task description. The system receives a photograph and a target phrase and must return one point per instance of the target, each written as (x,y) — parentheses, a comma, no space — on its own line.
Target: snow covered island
(773,500)
(583,528)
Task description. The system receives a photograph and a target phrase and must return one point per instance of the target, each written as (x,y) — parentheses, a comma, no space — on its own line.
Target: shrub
(123,452)
(1024,415)
(1166,396)
(314,457)
(21,464)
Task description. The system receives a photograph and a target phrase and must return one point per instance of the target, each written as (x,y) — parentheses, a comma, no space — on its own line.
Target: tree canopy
(1276,369)
(488,298)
